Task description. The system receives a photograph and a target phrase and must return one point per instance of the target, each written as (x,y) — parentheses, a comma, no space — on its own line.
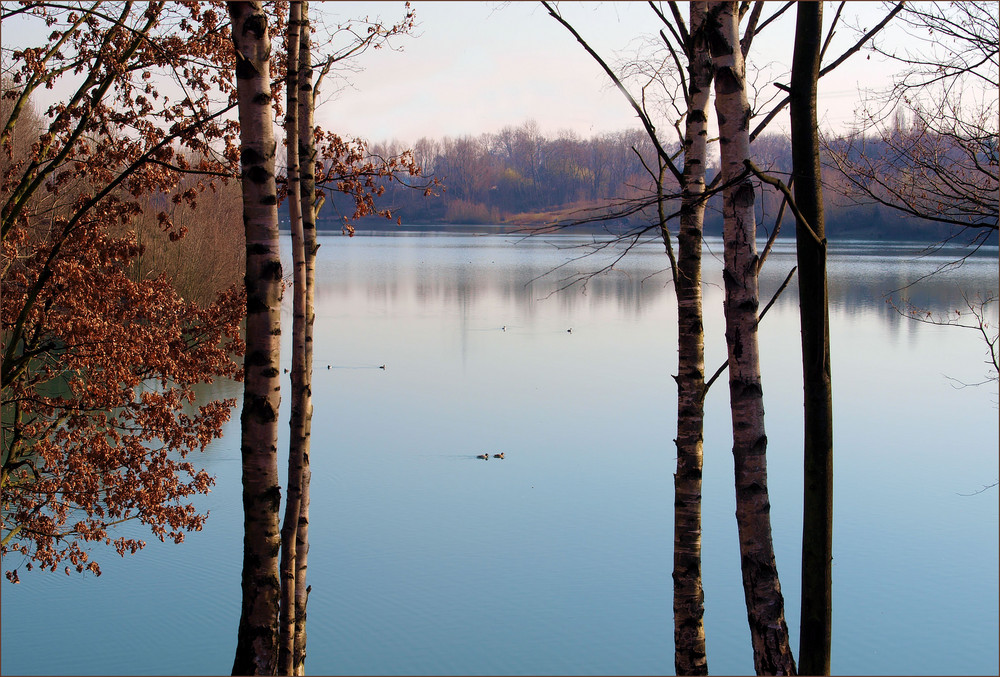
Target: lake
(557,558)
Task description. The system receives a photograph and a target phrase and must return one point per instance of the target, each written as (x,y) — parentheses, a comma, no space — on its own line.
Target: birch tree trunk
(810,245)
(765,605)
(256,644)
(299,380)
(307,194)
(689,598)
(689,630)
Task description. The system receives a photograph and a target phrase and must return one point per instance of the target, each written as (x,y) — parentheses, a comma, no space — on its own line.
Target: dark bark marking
(256,305)
(726,81)
(257,174)
(256,24)
(271,270)
(748,389)
(717,44)
(257,358)
(245,69)
(272,497)
(743,198)
(250,157)
(737,347)
(260,409)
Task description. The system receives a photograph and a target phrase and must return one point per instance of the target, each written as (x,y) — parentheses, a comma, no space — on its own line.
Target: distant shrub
(463,211)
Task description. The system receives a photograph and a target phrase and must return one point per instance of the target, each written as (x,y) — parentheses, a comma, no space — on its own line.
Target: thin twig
(771,181)
(718,372)
(774,233)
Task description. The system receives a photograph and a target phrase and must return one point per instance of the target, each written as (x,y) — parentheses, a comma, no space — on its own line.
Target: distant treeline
(518,178)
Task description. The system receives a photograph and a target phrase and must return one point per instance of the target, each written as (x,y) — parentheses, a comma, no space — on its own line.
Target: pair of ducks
(486,456)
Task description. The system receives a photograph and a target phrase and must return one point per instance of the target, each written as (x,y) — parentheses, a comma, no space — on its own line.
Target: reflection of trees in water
(864,285)
(499,271)
(471,274)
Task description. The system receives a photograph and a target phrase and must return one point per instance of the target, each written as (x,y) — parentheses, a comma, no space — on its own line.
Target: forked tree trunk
(299,381)
(256,644)
(689,598)
(307,191)
(810,244)
(765,606)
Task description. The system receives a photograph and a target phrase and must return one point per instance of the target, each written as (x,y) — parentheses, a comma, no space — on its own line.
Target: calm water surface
(557,559)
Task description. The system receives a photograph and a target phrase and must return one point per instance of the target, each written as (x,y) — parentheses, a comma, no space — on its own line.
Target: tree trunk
(689,598)
(817,507)
(765,606)
(299,381)
(307,194)
(256,645)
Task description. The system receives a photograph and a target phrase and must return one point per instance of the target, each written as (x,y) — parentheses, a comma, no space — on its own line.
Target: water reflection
(556,560)
(460,272)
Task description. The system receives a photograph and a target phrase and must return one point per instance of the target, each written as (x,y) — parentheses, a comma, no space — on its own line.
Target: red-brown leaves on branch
(99,363)
(349,167)
(98,400)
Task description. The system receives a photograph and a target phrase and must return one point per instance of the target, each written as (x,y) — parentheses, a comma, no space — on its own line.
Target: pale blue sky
(474,67)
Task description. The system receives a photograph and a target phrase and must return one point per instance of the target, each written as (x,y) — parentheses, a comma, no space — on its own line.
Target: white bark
(765,605)
(256,647)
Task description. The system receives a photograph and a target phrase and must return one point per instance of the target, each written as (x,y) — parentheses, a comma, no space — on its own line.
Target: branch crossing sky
(476,67)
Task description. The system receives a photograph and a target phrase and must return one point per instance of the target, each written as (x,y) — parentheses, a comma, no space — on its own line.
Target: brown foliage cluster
(348,167)
(96,397)
(119,292)
(100,360)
